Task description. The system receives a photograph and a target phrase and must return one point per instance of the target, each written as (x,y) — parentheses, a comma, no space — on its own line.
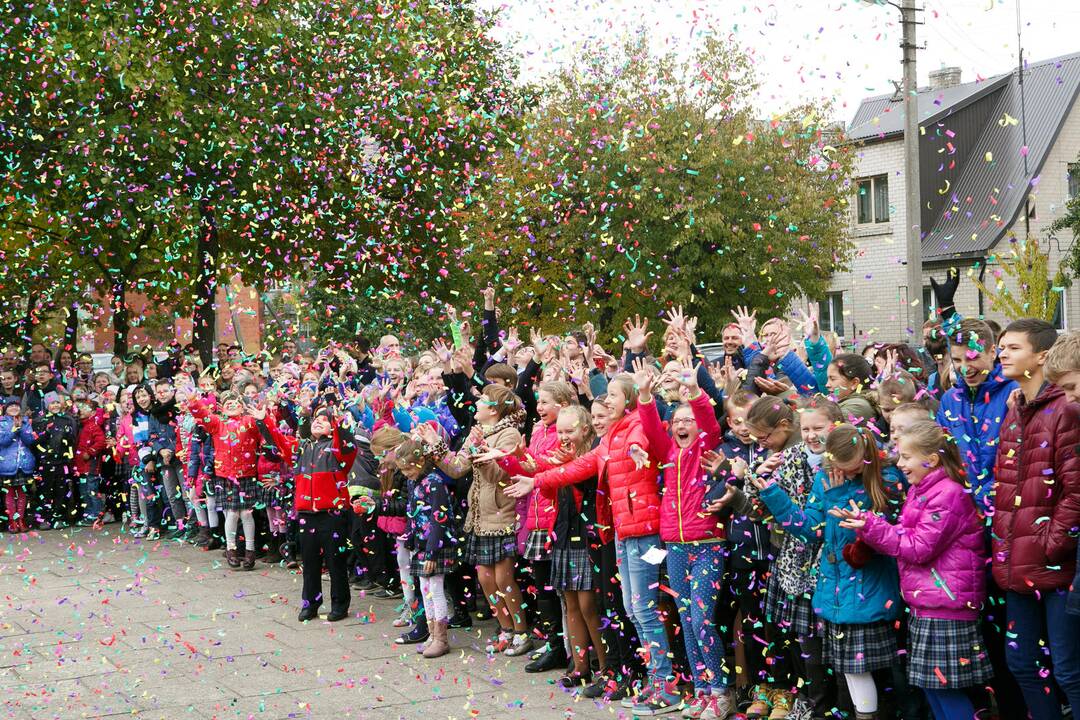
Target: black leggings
(548,607)
(616,630)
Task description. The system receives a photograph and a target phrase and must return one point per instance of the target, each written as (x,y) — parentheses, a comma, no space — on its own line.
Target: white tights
(435,606)
(232,519)
(205,508)
(404,560)
(863,691)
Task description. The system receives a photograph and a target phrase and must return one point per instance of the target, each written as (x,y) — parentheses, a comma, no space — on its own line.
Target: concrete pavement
(97,624)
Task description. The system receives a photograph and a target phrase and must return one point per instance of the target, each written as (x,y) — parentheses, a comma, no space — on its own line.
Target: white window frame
(872,182)
(827,303)
(1064,308)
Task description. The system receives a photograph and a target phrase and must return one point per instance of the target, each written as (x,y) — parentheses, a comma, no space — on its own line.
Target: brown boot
(421,649)
(440,645)
(249,560)
(232,559)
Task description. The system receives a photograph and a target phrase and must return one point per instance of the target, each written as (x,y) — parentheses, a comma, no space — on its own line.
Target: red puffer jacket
(236,441)
(1037,494)
(540,513)
(633,495)
(321,466)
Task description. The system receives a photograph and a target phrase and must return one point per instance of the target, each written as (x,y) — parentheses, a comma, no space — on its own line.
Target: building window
(1074,180)
(873,200)
(831,313)
(1059,312)
(927,302)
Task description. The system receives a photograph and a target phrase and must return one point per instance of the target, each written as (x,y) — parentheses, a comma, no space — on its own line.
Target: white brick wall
(874,289)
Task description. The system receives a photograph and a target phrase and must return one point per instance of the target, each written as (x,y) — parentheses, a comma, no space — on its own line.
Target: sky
(841,50)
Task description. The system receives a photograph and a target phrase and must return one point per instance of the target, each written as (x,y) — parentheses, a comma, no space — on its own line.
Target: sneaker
(696,706)
(658,704)
(781,704)
(153,534)
(362,582)
(405,618)
(385,593)
(418,634)
(720,706)
(602,681)
(500,642)
(635,695)
(139,532)
(108,518)
(521,644)
(759,706)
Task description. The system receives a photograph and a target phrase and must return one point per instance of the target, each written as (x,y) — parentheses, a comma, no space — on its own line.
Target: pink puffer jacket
(681,517)
(540,511)
(939,547)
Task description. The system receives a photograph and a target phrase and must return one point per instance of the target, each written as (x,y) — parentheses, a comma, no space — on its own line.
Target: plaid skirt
(446,559)
(237,495)
(538,545)
(489,549)
(275,496)
(571,569)
(793,612)
(859,648)
(953,648)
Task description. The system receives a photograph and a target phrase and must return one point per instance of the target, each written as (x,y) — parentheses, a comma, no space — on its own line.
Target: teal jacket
(843,594)
(819,357)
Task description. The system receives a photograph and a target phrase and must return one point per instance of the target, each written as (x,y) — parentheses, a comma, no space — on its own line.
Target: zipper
(1012,513)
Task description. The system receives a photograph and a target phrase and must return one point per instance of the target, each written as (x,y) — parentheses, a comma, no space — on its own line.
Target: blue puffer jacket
(15,453)
(843,595)
(974,419)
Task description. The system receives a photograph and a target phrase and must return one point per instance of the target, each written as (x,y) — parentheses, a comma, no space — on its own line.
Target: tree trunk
(119,315)
(71,327)
(29,321)
(204,317)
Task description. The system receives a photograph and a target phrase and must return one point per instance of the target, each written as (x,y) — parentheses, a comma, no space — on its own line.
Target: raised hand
(713,461)
(257,411)
(637,334)
(747,322)
(640,456)
(576,372)
(512,342)
(723,501)
(442,351)
(489,297)
(676,319)
(809,321)
(688,375)
(540,345)
(770,386)
(643,379)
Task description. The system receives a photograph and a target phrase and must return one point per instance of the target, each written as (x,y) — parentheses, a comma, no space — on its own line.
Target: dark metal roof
(968,207)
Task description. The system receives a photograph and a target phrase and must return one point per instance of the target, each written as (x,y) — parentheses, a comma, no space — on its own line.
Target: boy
(1063,369)
(88,454)
(1037,508)
(57,436)
(973,409)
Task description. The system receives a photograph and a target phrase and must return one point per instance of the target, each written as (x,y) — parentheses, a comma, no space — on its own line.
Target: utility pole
(911,168)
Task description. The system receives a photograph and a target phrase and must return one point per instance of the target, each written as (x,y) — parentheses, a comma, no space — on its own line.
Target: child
(1063,369)
(849,383)
(856,596)
(430,537)
(88,453)
(538,522)
(391,515)
(56,436)
(895,390)
(321,464)
(491,522)
(17,464)
(1036,513)
(938,544)
(236,448)
(200,467)
(692,536)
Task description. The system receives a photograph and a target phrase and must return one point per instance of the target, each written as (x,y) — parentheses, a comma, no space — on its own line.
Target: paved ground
(98,624)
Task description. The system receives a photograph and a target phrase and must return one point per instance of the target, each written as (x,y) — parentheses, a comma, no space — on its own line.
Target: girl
(788,606)
(849,383)
(392,517)
(124,451)
(939,546)
(200,466)
(538,522)
(857,593)
(633,508)
(236,448)
(17,464)
(491,521)
(430,537)
(692,536)
(142,465)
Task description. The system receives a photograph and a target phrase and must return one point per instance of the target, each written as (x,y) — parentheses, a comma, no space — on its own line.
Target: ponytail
(846,443)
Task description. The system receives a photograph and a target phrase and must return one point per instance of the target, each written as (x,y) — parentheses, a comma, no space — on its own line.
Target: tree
(642,181)
(1029,267)
(164,145)
(1070,221)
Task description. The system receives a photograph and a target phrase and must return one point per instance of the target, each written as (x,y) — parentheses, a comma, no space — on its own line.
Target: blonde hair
(562,393)
(901,386)
(383,441)
(583,419)
(1064,356)
(846,443)
(929,438)
(624,384)
(820,404)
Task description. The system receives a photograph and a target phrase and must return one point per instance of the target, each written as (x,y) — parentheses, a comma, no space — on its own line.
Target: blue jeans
(1029,619)
(695,571)
(640,583)
(89,497)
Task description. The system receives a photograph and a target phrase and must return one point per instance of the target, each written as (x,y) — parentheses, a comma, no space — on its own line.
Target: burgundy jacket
(1037,494)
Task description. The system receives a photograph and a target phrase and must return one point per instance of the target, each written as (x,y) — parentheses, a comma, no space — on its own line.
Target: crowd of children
(787,532)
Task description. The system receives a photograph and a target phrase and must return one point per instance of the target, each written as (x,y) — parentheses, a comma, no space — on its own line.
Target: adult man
(42,383)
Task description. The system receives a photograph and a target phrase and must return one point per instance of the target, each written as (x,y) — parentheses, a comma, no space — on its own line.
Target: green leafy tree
(1029,268)
(642,181)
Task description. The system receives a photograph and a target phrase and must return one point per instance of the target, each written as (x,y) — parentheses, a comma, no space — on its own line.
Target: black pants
(744,592)
(1007,695)
(59,497)
(548,607)
(617,632)
(372,551)
(324,536)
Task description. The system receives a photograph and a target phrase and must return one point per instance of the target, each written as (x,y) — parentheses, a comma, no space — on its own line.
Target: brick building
(973,185)
(239,319)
